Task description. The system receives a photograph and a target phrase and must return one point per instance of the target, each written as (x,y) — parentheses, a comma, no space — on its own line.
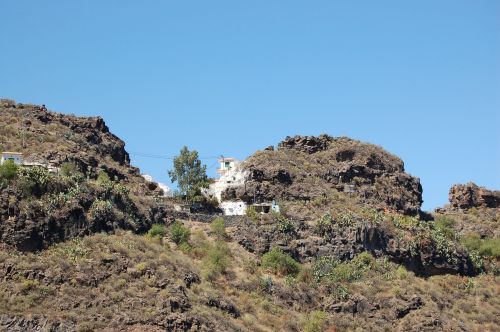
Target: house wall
(234,177)
(18,159)
(236,208)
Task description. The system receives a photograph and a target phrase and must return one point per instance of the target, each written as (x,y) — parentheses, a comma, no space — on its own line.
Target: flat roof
(8,152)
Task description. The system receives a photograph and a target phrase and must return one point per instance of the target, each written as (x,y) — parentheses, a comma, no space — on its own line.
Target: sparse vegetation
(216,261)
(316,321)
(218,228)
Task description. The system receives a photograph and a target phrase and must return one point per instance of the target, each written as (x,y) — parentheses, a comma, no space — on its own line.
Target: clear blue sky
(420,78)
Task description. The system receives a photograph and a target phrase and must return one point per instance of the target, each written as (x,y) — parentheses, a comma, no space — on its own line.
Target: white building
(16,157)
(231,175)
(226,164)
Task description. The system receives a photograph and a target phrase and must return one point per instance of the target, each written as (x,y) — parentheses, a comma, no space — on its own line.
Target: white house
(226,164)
(232,175)
(16,157)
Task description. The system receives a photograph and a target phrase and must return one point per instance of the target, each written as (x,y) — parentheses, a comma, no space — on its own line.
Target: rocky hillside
(307,168)
(53,138)
(97,189)
(92,248)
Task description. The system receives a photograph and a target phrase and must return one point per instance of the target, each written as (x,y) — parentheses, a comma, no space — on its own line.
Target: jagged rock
(307,144)
(33,323)
(471,195)
(414,304)
(223,305)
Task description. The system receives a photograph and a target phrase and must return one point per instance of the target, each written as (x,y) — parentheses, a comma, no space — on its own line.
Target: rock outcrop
(345,242)
(306,167)
(471,195)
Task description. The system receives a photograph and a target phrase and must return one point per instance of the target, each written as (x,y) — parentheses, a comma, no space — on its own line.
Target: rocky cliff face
(305,167)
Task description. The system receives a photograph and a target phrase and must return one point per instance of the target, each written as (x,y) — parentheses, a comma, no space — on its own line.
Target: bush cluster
(280,263)
(487,247)
(337,271)
(8,172)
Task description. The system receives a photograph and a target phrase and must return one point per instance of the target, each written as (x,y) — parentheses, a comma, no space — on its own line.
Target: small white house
(16,157)
(233,208)
(226,164)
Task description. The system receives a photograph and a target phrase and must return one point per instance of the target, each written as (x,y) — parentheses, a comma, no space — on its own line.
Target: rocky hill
(307,168)
(41,208)
(93,248)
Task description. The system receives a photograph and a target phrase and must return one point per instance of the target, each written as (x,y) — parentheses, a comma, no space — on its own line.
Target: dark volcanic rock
(307,144)
(306,167)
(344,243)
(470,195)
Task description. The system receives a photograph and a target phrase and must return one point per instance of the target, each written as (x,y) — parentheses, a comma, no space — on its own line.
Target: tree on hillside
(189,173)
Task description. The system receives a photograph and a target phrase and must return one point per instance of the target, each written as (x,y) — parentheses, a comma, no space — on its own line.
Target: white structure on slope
(167,191)
(231,175)
(16,157)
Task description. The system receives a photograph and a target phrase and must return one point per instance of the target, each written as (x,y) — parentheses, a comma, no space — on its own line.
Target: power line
(166,157)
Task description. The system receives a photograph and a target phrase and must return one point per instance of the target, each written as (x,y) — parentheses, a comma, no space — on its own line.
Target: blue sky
(420,78)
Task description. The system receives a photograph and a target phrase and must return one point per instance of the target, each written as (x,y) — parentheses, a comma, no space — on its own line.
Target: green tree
(189,173)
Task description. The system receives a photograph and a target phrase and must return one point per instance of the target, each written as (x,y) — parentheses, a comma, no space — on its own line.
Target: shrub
(8,171)
(34,180)
(485,247)
(218,228)
(323,266)
(216,260)
(402,273)
(444,245)
(103,178)
(315,322)
(284,225)
(67,169)
(101,210)
(347,219)
(323,224)
(252,213)
(157,230)
(334,270)
(445,225)
(280,263)
(179,233)
(363,260)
